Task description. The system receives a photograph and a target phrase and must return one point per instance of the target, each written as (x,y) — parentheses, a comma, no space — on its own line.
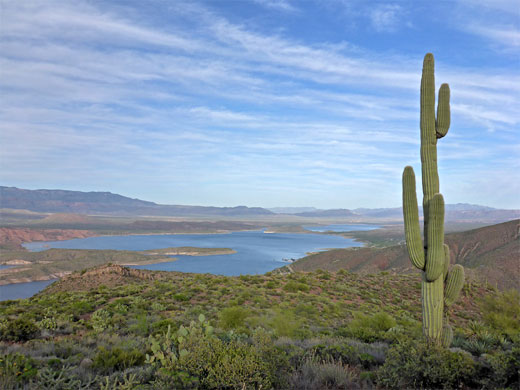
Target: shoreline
(180,251)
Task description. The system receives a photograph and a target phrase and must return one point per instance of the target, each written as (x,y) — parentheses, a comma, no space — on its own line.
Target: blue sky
(257,102)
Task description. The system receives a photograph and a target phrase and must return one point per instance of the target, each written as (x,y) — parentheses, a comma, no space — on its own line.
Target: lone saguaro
(441,285)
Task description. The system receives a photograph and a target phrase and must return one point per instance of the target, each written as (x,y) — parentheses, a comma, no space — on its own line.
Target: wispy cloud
(201,98)
(497,22)
(386,17)
(504,35)
(281,5)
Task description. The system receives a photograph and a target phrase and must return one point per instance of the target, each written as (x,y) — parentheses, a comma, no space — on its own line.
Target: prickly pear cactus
(440,285)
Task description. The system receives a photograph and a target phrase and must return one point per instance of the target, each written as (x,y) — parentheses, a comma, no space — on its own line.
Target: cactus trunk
(432,257)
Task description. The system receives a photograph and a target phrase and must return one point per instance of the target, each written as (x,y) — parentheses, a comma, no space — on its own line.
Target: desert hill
(490,254)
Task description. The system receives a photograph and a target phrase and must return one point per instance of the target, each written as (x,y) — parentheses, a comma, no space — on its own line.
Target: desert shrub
(157,306)
(327,374)
(20,329)
(284,323)
(16,368)
(271,285)
(306,310)
(369,328)
(233,317)
(115,359)
(140,325)
(501,369)
(194,357)
(501,311)
(342,353)
(101,320)
(48,321)
(81,307)
(360,354)
(161,326)
(293,286)
(419,365)
(180,297)
(60,378)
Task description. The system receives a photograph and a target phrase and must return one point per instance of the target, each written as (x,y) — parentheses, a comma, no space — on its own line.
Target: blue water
(22,290)
(257,252)
(6,266)
(341,228)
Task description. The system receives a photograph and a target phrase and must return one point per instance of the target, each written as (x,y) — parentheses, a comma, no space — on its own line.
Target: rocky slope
(12,238)
(490,254)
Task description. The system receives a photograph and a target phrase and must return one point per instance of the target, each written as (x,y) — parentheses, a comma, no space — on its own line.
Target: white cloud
(98,89)
(503,35)
(279,5)
(386,17)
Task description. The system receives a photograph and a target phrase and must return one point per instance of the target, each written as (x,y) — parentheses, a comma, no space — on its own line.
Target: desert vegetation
(113,327)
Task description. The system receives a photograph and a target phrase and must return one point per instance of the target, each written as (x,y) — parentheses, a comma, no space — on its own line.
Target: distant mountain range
(107,203)
(454,212)
(61,201)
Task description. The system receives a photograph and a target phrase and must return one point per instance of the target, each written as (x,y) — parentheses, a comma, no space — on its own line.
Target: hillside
(491,254)
(117,327)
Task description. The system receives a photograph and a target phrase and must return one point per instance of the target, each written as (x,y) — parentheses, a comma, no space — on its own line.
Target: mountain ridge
(108,203)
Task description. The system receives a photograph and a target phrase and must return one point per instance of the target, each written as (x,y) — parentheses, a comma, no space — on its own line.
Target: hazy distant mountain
(395,212)
(333,213)
(454,212)
(61,201)
(77,202)
(292,210)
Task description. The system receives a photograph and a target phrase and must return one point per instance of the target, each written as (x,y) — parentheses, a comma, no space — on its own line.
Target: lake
(22,290)
(257,252)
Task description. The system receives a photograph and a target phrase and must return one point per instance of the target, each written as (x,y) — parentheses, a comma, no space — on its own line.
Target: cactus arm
(446,260)
(411,219)
(447,336)
(443,111)
(435,257)
(432,308)
(454,284)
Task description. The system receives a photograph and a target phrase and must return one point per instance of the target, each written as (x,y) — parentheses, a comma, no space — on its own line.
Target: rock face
(14,237)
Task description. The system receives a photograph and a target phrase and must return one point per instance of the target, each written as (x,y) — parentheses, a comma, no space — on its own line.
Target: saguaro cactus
(440,285)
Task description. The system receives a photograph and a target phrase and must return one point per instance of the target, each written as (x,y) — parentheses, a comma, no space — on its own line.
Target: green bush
(271,285)
(419,365)
(293,286)
(20,329)
(16,368)
(369,328)
(101,320)
(324,374)
(194,357)
(108,360)
(501,311)
(233,317)
(284,323)
(179,297)
(501,369)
